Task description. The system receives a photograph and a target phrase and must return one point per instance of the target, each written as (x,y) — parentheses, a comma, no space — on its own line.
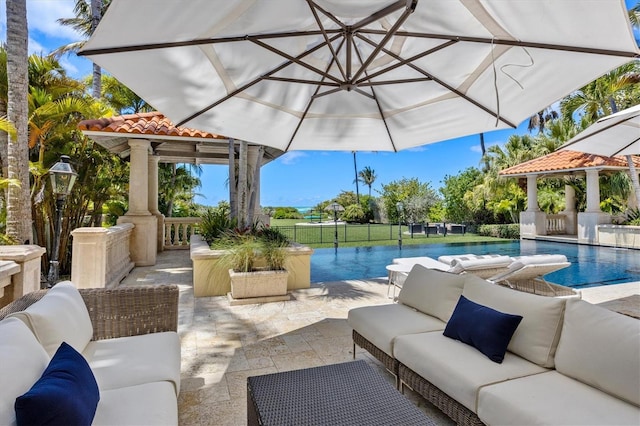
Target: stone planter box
(258,284)
(211,279)
(619,236)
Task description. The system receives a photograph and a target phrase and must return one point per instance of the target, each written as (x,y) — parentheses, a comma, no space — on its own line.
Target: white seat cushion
(149,404)
(22,362)
(552,399)
(383,323)
(60,316)
(456,368)
(432,292)
(135,360)
(536,338)
(601,348)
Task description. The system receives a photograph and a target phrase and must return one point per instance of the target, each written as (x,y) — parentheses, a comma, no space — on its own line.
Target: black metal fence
(343,232)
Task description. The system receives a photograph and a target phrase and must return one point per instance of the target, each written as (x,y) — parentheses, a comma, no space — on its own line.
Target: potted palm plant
(257,264)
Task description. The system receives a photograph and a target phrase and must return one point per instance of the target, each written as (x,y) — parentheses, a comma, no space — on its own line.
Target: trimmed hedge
(509,231)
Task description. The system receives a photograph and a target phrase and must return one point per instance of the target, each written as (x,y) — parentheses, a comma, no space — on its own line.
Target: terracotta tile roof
(147,123)
(568,160)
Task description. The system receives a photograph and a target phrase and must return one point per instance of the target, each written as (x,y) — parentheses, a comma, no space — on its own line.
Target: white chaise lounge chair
(526,274)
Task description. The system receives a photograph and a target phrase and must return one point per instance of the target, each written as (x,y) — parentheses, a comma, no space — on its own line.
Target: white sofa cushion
(456,368)
(552,399)
(60,316)
(22,362)
(601,348)
(135,360)
(381,324)
(536,338)
(149,404)
(431,291)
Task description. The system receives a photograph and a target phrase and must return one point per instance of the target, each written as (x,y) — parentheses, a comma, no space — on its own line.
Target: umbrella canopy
(357,75)
(615,134)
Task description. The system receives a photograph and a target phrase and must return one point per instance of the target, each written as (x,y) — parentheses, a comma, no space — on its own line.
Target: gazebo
(580,226)
(148,139)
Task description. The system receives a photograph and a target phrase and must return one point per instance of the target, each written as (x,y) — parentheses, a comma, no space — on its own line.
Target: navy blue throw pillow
(485,329)
(66,394)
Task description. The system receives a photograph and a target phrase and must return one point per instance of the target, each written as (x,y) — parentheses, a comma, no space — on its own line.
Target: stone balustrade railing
(178,232)
(20,271)
(101,256)
(556,224)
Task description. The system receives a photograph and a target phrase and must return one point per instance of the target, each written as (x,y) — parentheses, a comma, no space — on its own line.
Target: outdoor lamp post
(62,179)
(335,208)
(400,208)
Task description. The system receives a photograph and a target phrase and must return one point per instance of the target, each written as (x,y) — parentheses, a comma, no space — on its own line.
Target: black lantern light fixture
(62,179)
(400,208)
(335,208)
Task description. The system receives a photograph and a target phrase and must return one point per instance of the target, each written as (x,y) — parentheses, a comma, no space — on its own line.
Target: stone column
(570,209)
(593,191)
(144,239)
(589,220)
(153,198)
(532,221)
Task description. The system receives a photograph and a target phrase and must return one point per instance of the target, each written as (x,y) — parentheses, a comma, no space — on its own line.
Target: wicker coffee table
(351,393)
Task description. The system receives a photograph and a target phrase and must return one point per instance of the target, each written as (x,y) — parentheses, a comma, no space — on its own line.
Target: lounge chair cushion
(484,328)
(540,259)
(536,338)
(149,404)
(456,368)
(66,394)
(552,399)
(601,348)
(461,265)
(60,316)
(383,323)
(432,292)
(129,361)
(22,361)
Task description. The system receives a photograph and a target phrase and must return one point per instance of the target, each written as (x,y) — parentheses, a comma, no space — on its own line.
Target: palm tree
(85,22)
(539,120)
(604,96)
(18,203)
(367,176)
(355,168)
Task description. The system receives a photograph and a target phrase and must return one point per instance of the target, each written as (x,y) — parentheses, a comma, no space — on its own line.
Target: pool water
(590,265)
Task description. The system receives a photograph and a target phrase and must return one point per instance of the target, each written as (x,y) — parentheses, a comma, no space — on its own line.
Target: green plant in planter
(243,249)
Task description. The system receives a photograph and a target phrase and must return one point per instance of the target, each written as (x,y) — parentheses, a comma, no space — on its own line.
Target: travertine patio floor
(222,345)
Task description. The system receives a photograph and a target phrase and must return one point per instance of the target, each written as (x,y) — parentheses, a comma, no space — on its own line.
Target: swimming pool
(590,266)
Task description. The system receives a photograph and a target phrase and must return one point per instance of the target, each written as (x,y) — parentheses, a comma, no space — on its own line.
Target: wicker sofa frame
(407,377)
(120,312)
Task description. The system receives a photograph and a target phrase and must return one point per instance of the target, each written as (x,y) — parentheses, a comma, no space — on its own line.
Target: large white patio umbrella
(353,74)
(615,134)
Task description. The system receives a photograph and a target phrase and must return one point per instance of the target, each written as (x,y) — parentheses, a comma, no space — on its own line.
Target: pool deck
(222,345)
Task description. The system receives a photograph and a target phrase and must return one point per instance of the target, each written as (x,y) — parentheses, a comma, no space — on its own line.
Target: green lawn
(354,235)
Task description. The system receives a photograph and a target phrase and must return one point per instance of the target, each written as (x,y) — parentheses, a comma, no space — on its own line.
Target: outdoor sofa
(567,363)
(119,365)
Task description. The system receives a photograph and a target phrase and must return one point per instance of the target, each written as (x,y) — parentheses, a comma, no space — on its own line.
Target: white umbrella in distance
(615,134)
(377,75)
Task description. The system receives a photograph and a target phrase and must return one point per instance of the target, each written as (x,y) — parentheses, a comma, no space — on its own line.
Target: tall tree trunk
(172,184)
(19,202)
(355,167)
(255,185)
(96,15)
(243,201)
(233,189)
(4,144)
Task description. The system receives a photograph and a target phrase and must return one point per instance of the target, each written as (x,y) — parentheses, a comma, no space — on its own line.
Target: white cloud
(478,148)
(292,157)
(43,14)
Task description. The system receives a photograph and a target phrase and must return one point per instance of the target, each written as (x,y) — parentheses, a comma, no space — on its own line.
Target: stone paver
(222,345)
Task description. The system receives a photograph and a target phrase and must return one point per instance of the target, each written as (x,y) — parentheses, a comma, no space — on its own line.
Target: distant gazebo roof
(568,162)
(172,144)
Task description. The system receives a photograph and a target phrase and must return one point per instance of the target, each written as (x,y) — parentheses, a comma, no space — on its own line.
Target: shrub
(215,222)
(354,213)
(509,231)
(632,217)
(287,213)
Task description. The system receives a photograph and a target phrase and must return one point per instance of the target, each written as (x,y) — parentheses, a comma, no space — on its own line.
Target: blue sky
(299,178)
